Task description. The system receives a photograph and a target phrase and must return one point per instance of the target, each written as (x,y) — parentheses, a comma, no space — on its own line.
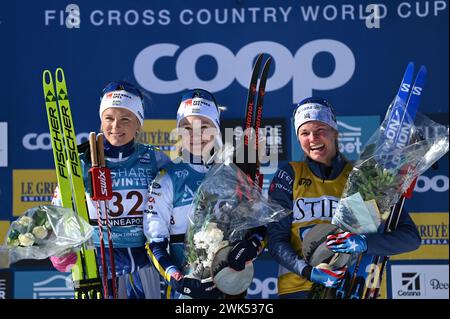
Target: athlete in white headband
(121,112)
(133,166)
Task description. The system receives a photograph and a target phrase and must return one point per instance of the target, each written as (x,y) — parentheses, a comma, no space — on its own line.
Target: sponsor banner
(32,188)
(43,285)
(6,285)
(419,282)
(265,281)
(157,133)
(3,144)
(354,132)
(42,141)
(431,190)
(4,225)
(273,132)
(434,183)
(433,229)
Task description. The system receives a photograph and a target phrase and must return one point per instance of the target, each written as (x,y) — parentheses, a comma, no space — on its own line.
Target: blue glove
(244,251)
(347,243)
(327,277)
(193,287)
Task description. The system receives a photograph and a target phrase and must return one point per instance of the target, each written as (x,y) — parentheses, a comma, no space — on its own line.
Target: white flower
(24,221)
(40,232)
(211,240)
(26,239)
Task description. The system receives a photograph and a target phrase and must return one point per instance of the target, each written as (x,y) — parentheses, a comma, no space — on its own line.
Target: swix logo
(103,184)
(297,67)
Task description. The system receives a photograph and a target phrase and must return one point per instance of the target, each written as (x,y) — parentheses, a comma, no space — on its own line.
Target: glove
(65,262)
(244,251)
(193,287)
(347,243)
(324,276)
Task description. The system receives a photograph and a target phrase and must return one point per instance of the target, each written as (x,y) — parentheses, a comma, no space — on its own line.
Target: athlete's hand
(347,243)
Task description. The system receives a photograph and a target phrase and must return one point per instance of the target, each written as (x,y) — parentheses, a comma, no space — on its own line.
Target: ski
(377,266)
(258,178)
(247,126)
(86,281)
(366,272)
(252,120)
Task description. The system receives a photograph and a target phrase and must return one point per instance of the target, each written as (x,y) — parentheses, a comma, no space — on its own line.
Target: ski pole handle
(101,150)
(100,174)
(93,149)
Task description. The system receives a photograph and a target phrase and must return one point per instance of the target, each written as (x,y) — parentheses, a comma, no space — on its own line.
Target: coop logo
(35,141)
(263,288)
(297,67)
(437,183)
(410,285)
(3,144)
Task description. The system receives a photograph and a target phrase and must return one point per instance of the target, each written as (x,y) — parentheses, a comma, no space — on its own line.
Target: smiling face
(119,125)
(198,134)
(318,141)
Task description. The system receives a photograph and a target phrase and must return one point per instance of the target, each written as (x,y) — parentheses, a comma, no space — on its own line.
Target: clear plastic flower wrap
(226,205)
(383,173)
(44,231)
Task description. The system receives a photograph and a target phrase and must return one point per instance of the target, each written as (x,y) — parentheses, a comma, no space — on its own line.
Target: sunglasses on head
(122,85)
(200,93)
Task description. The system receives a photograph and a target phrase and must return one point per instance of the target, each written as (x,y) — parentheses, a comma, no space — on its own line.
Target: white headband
(314,112)
(201,107)
(123,100)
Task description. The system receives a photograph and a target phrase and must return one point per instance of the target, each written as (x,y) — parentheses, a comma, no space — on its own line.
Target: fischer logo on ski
(85,275)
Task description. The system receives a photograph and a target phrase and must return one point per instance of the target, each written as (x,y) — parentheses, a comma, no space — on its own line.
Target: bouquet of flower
(225,207)
(380,177)
(44,231)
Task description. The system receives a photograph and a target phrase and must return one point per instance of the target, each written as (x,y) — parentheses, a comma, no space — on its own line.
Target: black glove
(244,251)
(193,287)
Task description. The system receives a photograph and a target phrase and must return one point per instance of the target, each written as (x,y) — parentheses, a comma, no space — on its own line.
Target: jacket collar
(327,173)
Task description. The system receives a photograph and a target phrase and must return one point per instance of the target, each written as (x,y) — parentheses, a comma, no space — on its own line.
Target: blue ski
(400,118)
